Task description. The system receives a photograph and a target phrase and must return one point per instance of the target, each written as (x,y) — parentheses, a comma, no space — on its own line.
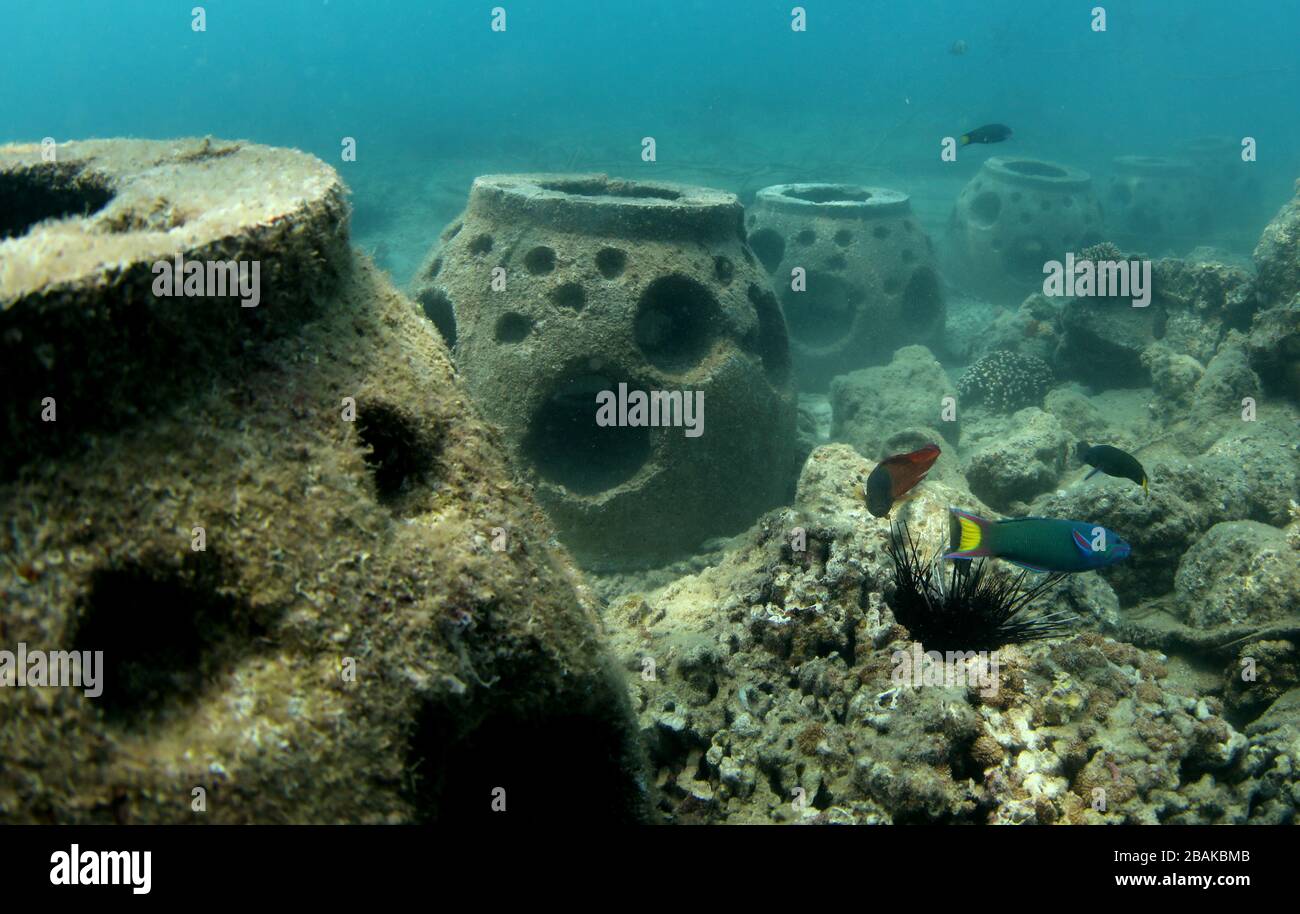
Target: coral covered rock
(871,404)
(1239,571)
(1016,459)
(1277,255)
(776,693)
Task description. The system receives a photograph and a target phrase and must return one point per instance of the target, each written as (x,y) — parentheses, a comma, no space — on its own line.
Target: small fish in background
(959,47)
(894,476)
(989,133)
(1111,461)
(1036,543)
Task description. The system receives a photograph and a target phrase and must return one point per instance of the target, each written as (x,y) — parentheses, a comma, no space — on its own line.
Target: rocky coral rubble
(765,693)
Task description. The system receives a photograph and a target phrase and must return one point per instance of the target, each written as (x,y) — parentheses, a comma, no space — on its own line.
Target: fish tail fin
(1145,490)
(968,535)
(1092,474)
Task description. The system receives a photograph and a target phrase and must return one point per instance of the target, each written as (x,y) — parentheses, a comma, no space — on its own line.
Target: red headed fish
(894,476)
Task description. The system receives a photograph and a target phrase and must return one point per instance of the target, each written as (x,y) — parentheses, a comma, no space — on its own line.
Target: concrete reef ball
(1154,201)
(602,282)
(300,612)
(871,284)
(1015,215)
(80,233)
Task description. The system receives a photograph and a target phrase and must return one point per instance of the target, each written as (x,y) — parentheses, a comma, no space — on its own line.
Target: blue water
(578,83)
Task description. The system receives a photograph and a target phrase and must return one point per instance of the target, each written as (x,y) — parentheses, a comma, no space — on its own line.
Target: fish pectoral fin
(1081,541)
(1029,567)
(1095,471)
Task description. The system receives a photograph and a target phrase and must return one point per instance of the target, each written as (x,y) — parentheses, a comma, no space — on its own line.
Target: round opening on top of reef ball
(1035,169)
(30,196)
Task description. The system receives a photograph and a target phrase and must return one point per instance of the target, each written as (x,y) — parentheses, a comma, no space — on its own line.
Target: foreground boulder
(319,595)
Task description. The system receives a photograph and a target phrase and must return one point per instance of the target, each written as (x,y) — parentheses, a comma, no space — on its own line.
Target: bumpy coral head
(1006,381)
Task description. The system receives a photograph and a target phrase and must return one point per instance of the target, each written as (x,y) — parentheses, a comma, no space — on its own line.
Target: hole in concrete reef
(1026,256)
(843,238)
(823,313)
(166,633)
(399,456)
(744,252)
(807,236)
(1037,169)
(769,248)
(676,323)
(750,220)
(513,328)
(611,262)
(892,285)
(30,196)
(569,295)
(627,189)
(773,341)
(837,262)
(1026,218)
(723,269)
(881,232)
(436,267)
(535,758)
(481,244)
(985,207)
(829,195)
(540,260)
(923,300)
(437,308)
(452,231)
(568,448)
(1044,204)
(1067,201)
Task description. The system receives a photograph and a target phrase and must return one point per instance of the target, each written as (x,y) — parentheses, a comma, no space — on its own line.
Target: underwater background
(434,98)
(367,552)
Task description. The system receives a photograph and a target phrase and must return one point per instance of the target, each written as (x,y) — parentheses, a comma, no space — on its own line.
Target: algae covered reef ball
(643,290)
(288,597)
(855,272)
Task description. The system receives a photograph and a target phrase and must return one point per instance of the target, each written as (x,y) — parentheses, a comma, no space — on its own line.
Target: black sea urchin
(976,607)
